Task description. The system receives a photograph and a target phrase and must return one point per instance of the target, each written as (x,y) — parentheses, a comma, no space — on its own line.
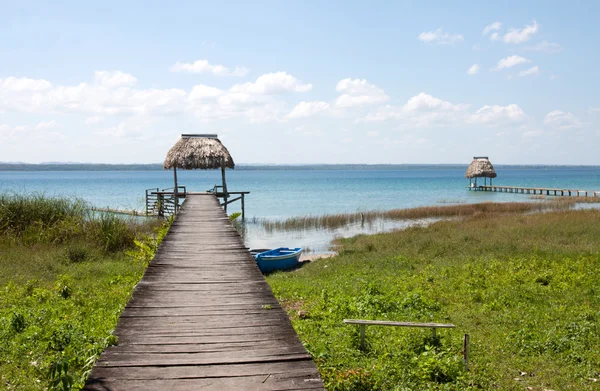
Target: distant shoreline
(243,167)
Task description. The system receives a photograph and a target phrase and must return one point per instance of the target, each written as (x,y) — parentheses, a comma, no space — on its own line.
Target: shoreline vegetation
(67,273)
(333,221)
(523,284)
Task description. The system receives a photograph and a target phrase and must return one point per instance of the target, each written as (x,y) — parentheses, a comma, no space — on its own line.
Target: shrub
(17,213)
(113,233)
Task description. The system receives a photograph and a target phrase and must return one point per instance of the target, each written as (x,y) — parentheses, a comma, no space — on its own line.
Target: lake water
(277,193)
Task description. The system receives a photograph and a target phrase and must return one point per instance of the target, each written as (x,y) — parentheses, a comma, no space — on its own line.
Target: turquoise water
(280,193)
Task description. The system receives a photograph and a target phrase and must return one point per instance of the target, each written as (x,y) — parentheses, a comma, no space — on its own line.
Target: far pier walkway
(536,190)
(204,318)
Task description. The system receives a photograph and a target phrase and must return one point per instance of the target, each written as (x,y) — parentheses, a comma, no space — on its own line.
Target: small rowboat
(281,258)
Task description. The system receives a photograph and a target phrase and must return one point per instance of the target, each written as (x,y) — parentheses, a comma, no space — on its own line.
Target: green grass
(525,287)
(66,276)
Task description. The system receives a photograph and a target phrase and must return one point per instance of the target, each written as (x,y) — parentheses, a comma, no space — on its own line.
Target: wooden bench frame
(363,323)
(433,326)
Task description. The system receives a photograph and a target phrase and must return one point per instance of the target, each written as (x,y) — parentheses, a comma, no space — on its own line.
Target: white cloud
(494,36)
(111,93)
(511,61)
(529,72)
(272,83)
(372,133)
(424,110)
(495,114)
(473,69)
(202,92)
(426,102)
(546,47)
(491,27)
(40,131)
(24,84)
(7,132)
(46,125)
(95,120)
(256,101)
(134,127)
(440,37)
(517,36)
(113,79)
(307,109)
(203,66)
(359,92)
(561,120)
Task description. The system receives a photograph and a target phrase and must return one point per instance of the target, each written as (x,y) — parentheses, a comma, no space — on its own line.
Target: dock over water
(537,190)
(203,317)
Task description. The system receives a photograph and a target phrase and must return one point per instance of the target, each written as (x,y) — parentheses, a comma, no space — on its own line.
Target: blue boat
(281,258)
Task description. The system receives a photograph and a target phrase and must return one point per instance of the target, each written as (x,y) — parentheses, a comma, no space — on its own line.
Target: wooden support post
(175,189)
(362,337)
(225,194)
(466,351)
(243,209)
(161,211)
(433,335)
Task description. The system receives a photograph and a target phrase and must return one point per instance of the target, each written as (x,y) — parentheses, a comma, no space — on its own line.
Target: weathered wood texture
(203,317)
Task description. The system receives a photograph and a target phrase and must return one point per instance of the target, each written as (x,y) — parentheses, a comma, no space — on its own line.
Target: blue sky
(301,81)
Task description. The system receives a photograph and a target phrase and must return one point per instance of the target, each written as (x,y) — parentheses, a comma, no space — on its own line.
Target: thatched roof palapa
(480,167)
(198,151)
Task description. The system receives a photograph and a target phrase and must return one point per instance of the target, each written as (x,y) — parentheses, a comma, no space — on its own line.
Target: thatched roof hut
(480,167)
(199,151)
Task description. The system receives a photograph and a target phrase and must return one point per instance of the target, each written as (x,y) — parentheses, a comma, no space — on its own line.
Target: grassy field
(65,279)
(525,287)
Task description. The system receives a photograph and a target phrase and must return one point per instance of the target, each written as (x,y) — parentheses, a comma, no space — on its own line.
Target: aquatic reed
(36,219)
(441,211)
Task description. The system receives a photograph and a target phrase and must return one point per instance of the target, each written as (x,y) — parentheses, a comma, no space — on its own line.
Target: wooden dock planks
(203,317)
(536,190)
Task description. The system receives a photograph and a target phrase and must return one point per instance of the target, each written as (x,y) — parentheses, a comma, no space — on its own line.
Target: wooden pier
(536,190)
(203,317)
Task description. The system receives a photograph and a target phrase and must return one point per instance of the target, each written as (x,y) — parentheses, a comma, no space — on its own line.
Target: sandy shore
(314,257)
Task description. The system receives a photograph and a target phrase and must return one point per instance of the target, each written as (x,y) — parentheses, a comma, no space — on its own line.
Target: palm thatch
(198,151)
(480,167)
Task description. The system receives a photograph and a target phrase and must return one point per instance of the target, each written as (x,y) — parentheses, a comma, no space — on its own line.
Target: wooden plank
(247,383)
(207,371)
(203,317)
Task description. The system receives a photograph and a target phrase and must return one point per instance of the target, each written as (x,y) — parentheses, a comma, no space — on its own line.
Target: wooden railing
(165,202)
(219,193)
